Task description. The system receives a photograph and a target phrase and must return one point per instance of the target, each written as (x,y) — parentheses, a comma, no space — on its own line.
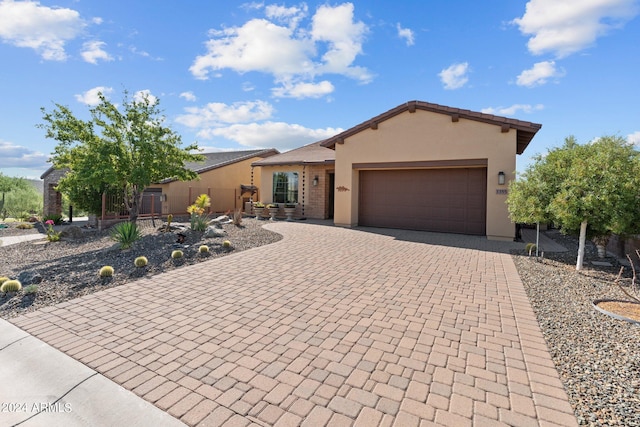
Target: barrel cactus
(177,254)
(106,271)
(11,286)
(204,249)
(141,261)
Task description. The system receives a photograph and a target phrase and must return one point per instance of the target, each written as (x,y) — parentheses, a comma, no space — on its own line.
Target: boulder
(213,232)
(222,219)
(72,232)
(27,278)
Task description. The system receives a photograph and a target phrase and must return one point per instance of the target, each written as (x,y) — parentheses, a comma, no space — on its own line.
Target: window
(285,187)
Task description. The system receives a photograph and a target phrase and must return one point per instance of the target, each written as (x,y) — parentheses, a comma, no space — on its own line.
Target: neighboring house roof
(224,158)
(313,153)
(525,130)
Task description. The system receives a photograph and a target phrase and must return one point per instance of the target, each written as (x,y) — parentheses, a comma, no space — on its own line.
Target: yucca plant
(198,218)
(141,261)
(126,233)
(106,271)
(11,286)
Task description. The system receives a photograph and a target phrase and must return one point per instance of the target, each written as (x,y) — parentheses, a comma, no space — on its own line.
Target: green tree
(592,189)
(121,149)
(10,185)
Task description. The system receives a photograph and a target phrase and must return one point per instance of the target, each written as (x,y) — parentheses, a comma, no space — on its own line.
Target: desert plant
(25,226)
(530,248)
(141,261)
(56,218)
(226,244)
(237,217)
(204,249)
(197,209)
(258,205)
(177,254)
(3,279)
(52,235)
(169,219)
(31,289)
(106,271)
(126,233)
(11,286)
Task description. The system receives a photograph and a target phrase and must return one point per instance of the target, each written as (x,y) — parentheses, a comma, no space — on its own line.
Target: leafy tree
(120,149)
(10,185)
(590,188)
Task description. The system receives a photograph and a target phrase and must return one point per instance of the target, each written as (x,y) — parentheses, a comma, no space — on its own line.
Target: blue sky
(234,76)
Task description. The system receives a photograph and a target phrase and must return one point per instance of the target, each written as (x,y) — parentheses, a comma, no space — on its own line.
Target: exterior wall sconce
(500,178)
(315,181)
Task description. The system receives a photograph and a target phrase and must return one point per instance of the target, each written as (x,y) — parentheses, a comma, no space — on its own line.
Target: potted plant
(258,209)
(273,210)
(290,210)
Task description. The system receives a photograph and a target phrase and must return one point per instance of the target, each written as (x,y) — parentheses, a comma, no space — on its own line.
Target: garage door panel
(443,200)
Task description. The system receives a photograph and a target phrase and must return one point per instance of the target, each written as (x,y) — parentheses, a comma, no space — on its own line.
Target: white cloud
(217,114)
(407,34)
(141,95)
(91,98)
(564,27)
(97,20)
(455,76)
(189,96)
(283,136)
(329,45)
(513,110)
(93,51)
(303,90)
(16,156)
(539,74)
(634,138)
(44,29)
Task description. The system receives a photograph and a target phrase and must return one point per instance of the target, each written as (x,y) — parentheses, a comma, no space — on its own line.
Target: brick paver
(328,326)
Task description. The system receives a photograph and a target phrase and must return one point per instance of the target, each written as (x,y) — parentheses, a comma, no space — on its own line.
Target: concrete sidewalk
(41,386)
(12,240)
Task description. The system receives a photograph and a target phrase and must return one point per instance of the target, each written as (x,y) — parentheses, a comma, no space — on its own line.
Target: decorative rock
(29,278)
(222,219)
(72,232)
(214,232)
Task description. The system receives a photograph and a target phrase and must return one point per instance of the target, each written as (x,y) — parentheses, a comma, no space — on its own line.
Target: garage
(451,200)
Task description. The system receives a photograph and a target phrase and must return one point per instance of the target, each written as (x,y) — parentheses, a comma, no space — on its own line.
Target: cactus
(530,248)
(169,219)
(11,286)
(3,279)
(204,249)
(106,271)
(226,244)
(177,254)
(141,261)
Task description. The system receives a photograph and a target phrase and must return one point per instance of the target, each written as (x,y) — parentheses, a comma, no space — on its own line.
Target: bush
(126,233)
(25,226)
(56,218)
(237,217)
(226,244)
(141,261)
(11,286)
(31,289)
(177,254)
(106,271)
(530,248)
(204,249)
(21,201)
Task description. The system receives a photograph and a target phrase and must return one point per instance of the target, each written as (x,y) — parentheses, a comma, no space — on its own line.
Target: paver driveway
(329,326)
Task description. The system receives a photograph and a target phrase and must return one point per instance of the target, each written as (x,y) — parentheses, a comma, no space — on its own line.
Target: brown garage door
(443,200)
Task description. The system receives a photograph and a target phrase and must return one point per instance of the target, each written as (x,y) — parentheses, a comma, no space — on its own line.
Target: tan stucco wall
(428,136)
(223,183)
(313,199)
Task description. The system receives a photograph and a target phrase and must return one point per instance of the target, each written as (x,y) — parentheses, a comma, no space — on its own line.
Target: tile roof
(313,153)
(224,158)
(525,130)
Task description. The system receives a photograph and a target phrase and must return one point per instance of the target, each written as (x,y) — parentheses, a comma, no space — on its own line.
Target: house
(418,166)
(227,177)
(304,176)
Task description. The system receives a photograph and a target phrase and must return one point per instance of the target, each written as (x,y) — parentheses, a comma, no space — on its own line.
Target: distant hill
(38,184)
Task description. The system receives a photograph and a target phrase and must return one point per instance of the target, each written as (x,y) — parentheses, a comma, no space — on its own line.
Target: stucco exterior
(408,138)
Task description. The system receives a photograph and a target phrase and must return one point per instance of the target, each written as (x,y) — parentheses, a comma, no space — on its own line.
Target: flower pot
(273,211)
(289,212)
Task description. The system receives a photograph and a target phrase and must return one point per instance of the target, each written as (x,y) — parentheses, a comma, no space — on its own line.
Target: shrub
(31,289)
(3,279)
(25,226)
(141,261)
(126,233)
(177,254)
(198,218)
(11,286)
(237,217)
(52,235)
(204,249)
(56,218)
(106,271)
(226,244)
(530,248)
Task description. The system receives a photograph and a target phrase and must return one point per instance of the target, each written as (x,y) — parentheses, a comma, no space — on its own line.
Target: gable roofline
(310,154)
(525,130)
(241,156)
(47,172)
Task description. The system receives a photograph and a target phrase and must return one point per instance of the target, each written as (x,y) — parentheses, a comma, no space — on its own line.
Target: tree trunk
(135,206)
(583,238)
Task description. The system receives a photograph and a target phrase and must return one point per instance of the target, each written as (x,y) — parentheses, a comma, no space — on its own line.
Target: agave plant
(126,233)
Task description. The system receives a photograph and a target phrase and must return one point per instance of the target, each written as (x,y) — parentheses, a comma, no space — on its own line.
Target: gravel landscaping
(69,268)
(597,357)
